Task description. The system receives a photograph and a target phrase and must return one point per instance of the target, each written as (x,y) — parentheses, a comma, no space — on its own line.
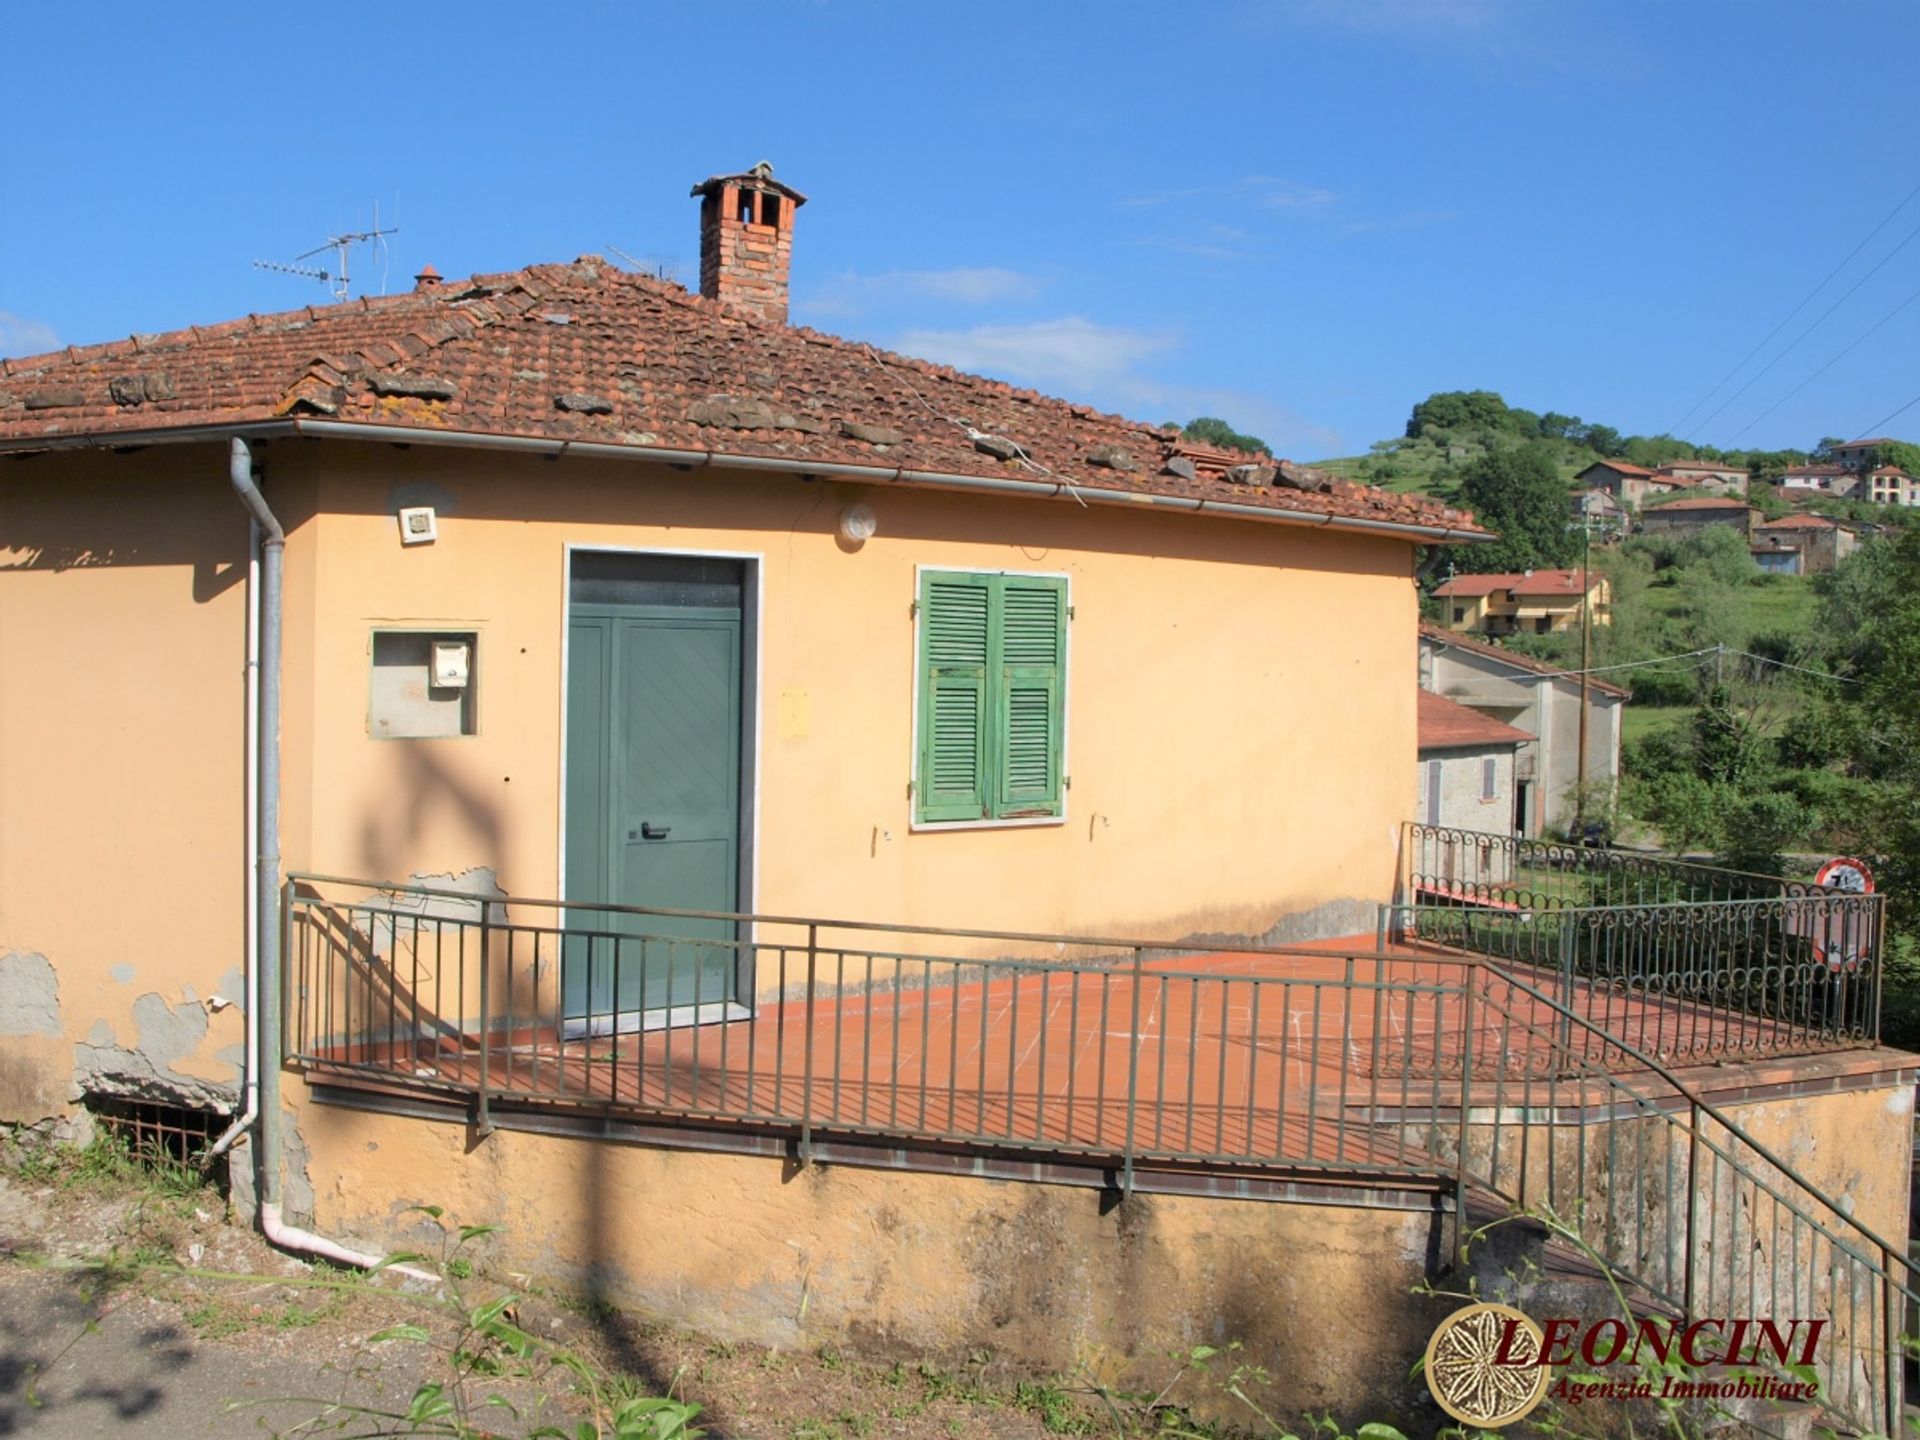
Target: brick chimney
(746,241)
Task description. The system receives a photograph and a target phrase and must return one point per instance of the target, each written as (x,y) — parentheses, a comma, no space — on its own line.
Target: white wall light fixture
(419,525)
(858,523)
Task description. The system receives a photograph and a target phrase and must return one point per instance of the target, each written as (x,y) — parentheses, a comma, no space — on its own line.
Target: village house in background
(1691,516)
(1535,601)
(1816,543)
(1541,701)
(1858,454)
(1890,485)
(1600,511)
(1466,767)
(1630,485)
(1708,476)
(1838,482)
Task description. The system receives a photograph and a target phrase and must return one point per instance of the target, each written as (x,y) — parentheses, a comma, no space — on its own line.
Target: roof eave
(720,459)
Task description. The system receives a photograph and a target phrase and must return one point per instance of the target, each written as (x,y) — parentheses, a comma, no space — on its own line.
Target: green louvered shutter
(1032,633)
(955,633)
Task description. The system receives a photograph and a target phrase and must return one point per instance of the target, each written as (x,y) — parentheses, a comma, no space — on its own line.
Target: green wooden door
(653,794)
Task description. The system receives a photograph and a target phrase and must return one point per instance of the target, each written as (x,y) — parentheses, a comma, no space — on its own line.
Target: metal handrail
(1598,857)
(1877,1259)
(1100,942)
(1362,1107)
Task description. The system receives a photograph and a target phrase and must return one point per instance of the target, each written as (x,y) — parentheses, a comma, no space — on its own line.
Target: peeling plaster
(482,882)
(296,1183)
(122,974)
(168,1034)
(29,995)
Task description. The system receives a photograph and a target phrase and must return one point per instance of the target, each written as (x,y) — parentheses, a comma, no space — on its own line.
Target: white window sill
(631,1022)
(1027,822)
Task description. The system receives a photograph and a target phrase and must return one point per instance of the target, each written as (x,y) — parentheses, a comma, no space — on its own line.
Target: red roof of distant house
(1871,440)
(1447,725)
(589,353)
(1537,582)
(1802,522)
(1888,472)
(1817,470)
(1475,646)
(1622,467)
(1704,502)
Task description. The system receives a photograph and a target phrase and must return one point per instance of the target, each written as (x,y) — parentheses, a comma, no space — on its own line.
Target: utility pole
(1586,665)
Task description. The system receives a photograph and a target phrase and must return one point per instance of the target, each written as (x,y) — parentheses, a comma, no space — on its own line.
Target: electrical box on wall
(419,525)
(451,659)
(423,684)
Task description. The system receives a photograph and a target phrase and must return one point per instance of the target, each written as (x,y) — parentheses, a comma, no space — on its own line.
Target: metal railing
(1428,1069)
(1481,867)
(1223,1055)
(1672,1194)
(1689,981)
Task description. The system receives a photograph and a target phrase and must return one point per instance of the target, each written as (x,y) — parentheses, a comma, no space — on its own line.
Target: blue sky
(1303,215)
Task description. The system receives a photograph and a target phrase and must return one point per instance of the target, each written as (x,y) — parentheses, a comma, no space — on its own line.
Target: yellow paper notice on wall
(796,712)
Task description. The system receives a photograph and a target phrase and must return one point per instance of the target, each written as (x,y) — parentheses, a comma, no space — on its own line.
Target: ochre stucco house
(602,591)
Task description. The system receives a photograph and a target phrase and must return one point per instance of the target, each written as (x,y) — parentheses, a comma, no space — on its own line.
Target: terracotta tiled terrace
(1326,1056)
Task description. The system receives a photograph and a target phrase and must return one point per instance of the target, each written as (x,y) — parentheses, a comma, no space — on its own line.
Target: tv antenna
(339,278)
(660,267)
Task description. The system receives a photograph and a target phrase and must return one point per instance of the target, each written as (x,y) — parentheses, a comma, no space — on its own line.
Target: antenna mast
(342,245)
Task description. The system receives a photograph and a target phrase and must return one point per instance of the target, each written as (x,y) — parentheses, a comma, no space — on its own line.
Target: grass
(1778,605)
(1639,721)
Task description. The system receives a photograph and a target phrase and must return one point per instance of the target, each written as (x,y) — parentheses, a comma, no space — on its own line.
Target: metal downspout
(250,1075)
(266,961)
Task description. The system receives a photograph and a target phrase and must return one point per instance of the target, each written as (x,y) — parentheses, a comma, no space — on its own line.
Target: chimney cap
(427,278)
(760,177)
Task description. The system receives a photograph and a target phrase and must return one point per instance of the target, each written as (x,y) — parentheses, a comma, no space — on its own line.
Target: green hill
(1451,429)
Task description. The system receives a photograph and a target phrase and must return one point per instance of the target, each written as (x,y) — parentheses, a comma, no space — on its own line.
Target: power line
(1713,652)
(1791,344)
(1868,432)
(1825,281)
(1861,340)
(1784,665)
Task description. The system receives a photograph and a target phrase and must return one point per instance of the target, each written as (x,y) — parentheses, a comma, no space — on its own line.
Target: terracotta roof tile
(1448,725)
(1801,522)
(673,369)
(1704,502)
(1537,582)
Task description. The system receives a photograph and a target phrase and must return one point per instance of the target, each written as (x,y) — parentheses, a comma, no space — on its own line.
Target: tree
(1605,439)
(1877,595)
(1459,410)
(1212,430)
(1518,494)
(1899,454)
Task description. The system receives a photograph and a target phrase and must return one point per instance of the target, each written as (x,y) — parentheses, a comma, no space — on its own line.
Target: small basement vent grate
(158,1135)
